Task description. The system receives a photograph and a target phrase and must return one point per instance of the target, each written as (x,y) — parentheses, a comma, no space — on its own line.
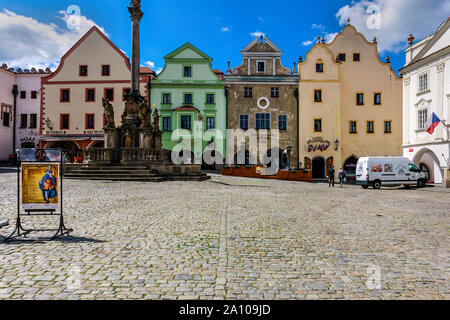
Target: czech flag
(432,123)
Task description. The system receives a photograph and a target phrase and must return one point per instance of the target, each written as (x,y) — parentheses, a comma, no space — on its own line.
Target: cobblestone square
(233,238)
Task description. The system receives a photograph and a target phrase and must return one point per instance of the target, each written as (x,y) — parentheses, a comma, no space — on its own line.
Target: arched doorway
(430,162)
(425,169)
(350,168)
(318,168)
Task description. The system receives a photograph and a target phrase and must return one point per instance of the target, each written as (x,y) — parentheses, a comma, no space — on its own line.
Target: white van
(388,171)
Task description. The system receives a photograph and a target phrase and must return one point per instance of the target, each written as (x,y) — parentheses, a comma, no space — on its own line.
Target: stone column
(446,180)
(136,16)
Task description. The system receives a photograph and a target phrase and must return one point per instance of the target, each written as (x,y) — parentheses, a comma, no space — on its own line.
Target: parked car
(388,171)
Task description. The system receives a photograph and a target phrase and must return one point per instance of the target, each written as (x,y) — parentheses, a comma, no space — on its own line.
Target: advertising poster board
(40,186)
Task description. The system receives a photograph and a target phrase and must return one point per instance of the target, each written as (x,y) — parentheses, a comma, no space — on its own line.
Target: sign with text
(40,186)
(318,144)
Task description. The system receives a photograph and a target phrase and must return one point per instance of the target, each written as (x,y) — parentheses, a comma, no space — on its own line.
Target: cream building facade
(426,90)
(350,104)
(72,114)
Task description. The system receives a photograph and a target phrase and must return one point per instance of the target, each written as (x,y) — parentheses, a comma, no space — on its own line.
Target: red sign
(411,150)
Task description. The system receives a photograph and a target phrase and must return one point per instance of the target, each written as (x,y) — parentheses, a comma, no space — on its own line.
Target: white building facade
(426,90)
(28,105)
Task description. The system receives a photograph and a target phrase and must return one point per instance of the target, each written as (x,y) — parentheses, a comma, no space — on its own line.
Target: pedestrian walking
(342,176)
(331,173)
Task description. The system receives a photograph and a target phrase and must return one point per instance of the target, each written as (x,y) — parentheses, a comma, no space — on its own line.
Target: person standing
(342,175)
(331,173)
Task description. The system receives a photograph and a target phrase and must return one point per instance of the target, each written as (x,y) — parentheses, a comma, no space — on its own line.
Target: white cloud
(28,43)
(150,64)
(397,20)
(257,34)
(307,43)
(158,71)
(318,26)
(225,29)
(330,37)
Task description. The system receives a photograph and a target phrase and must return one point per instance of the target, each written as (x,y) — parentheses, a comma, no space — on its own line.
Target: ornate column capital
(440,67)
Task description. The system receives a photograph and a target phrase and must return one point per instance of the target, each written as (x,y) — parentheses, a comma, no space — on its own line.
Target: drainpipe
(15,92)
(226,121)
(296,95)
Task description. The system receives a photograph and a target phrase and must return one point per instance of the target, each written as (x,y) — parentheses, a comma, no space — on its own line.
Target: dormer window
(261,66)
(188,72)
(319,67)
(83,71)
(106,70)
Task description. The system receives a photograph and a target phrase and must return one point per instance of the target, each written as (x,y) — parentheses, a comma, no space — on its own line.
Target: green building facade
(191,96)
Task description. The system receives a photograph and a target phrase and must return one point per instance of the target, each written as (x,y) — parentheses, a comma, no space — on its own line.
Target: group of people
(342,175)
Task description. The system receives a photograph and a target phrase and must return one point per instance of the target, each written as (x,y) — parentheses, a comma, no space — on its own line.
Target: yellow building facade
(350,105)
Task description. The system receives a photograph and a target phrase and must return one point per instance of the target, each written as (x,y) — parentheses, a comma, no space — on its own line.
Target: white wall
(7,81)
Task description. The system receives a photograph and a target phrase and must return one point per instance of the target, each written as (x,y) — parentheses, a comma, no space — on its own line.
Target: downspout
(15,92)
(296,95)
(226,121)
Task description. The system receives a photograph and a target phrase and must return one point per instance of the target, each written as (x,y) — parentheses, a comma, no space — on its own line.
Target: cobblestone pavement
(233,238)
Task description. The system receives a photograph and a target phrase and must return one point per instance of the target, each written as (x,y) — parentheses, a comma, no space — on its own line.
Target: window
(166,98)
(33,121)
(23,94)
(186,122)
(83,71)
(6,116)
(188,72)
(370,127)
(413,168)
(342,57)
(275,92)
(353,128)
(210,123)
(33,95)
(423,82)
(65,95)
(356,57)
(210,98)
(317,125)
(422,117)
(106,70)
(319,67)
(377,99)
(248,92)
(188,98)
(360,99)
(167,124)
(261,66)
(243,122)
(263,121)
(109,94)
(90,121)
(90,95)
(282,122)
(65,122)
(388,127)
(317,95)
(125,93)
(23,121)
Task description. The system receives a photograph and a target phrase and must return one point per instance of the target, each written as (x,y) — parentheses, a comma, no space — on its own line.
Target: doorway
(318,168)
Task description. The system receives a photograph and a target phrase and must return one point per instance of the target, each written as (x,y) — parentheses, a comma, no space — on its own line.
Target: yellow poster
(40,186)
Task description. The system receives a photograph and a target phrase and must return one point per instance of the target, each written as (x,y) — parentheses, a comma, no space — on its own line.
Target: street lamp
(336,143)
(15,92)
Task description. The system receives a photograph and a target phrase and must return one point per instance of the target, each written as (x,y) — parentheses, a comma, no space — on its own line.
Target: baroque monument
(133,150)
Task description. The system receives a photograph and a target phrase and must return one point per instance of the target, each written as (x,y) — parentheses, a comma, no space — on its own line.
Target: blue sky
(219,28)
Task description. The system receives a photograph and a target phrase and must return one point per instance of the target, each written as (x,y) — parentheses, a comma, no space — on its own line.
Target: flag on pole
(432,123)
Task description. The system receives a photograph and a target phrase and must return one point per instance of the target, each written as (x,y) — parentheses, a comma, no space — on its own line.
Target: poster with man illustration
(40,186)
